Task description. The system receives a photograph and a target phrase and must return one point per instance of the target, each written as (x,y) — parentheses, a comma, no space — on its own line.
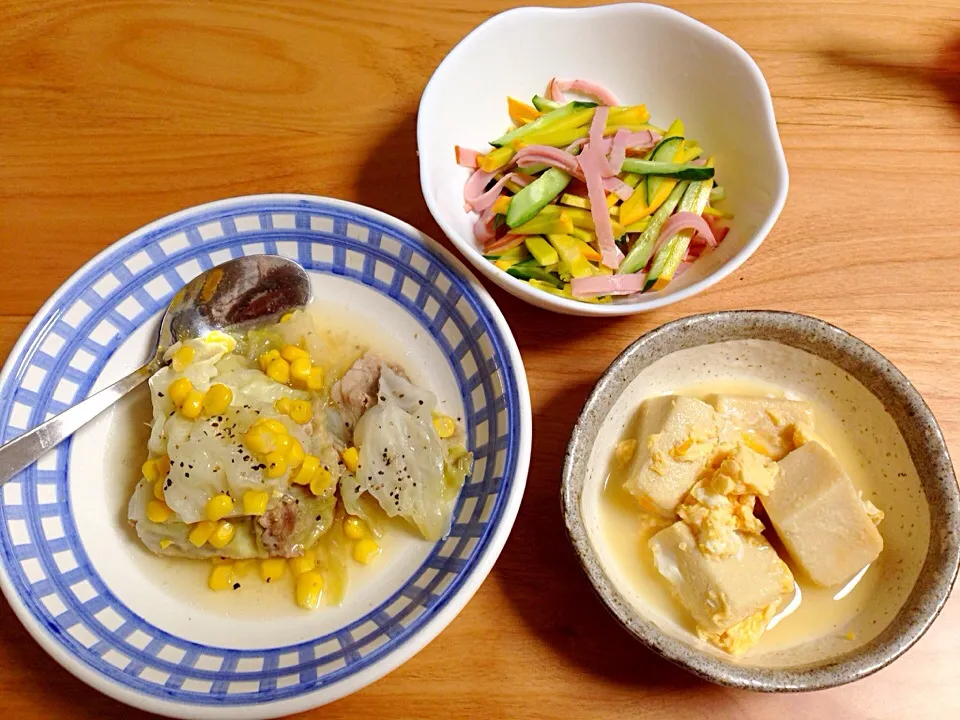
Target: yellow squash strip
(520,112)
(502,204)
(544,225)
(496,159)
(568,248)
(588,251)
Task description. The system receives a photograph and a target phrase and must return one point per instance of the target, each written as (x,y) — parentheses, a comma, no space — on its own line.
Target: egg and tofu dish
(286,448)
(697,468)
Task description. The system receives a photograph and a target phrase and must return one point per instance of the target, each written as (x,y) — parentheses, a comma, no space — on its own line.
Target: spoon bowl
(239,293)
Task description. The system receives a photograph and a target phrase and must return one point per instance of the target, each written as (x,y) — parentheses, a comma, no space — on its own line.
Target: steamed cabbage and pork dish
(287,447)
(588,200)
(744,489)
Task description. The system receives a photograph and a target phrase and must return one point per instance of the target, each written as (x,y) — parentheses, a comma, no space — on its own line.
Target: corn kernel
(201,532)
(260,440)
(217,399)
(221,577)
(354,528)
(242,567)
(300,370)
(444,425)
(295,454)
(268,357)
(219,506)
(272,569)
(279,370)
(149,470)
(365,551)
(283,405)
(307,469)
(309,590)
(227,341)
(351,458)
(158,491)
(192,404)
(163,466)
(321,480)
(304,563)
(255,502)
(178,390)
(158,511)
(315,381)
(274,426)
(276,464)
(286,317)
(183,357)
(301,412)
(292,352)
(224,533)
(284,443)
(165,543)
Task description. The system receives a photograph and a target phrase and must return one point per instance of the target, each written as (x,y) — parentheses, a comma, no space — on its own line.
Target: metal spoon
(241,292)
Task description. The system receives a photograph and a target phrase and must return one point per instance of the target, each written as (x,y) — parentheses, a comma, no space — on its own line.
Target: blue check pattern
(130,282)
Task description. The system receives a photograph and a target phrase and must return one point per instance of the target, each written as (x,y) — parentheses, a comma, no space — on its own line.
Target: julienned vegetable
(587,199)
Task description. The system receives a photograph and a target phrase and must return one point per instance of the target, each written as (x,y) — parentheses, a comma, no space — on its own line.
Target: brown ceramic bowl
(897,437)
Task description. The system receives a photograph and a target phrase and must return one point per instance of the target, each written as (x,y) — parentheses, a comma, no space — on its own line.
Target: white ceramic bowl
(144,629)
(644,54)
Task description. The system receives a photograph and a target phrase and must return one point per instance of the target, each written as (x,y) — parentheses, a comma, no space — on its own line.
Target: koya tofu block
(766,425)
(677,437)
(820,518)
(721,593)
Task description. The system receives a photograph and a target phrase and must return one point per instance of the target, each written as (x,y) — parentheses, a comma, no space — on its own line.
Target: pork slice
(277,528)
(356,391)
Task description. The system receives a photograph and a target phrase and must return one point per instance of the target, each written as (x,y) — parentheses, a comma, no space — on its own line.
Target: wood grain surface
(115,113)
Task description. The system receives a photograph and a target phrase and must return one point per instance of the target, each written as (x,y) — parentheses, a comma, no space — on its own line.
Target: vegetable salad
(588,200)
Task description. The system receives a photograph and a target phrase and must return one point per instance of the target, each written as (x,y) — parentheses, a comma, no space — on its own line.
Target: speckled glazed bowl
(898,441)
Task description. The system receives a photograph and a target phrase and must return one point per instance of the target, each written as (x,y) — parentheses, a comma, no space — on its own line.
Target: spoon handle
(29,447)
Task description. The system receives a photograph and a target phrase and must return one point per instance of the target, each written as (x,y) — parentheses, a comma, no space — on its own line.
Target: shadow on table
(541,576)
(943,73)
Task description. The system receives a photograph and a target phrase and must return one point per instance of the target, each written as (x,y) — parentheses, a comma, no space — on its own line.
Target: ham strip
(557,88)
(618,150)
(608,285)
(546,155)
(686,221)
(483,229)
(467,157)
(593,162)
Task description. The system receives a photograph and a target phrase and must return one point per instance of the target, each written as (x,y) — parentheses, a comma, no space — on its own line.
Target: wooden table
(115,113)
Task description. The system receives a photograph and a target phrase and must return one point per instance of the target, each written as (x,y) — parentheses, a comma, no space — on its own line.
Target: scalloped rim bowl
(645,53)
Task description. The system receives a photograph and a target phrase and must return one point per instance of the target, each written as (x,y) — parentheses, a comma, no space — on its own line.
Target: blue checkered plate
(144,629)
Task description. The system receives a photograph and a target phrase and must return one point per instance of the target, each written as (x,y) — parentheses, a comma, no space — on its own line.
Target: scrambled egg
(721,504)
(745,634)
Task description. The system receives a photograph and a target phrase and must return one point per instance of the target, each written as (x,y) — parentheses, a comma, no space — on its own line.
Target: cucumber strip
(639,254)
(529,201)
(545,104)
(533,169)
(531,270)
(717,194)
(684,171)
(671,253)
(544,122)
(666,151)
